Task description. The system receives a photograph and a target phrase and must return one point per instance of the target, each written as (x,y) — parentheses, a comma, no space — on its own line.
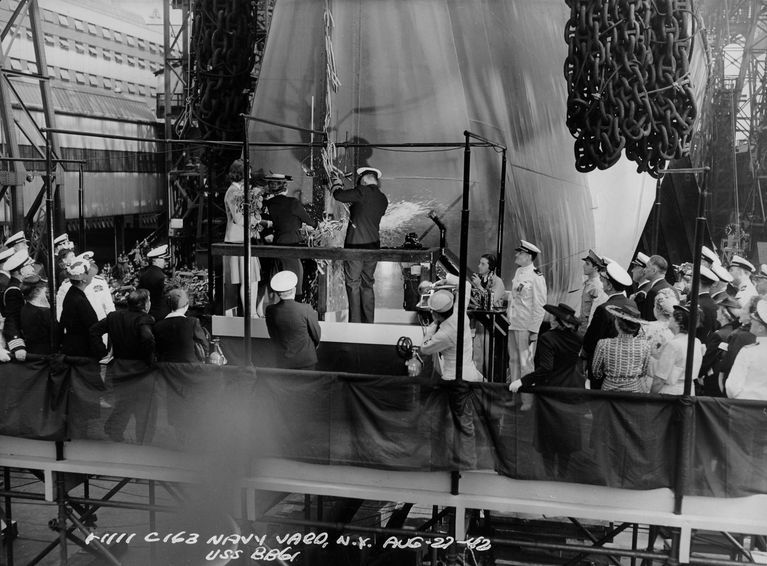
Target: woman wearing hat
(621,362)
(657,332)
(441,339)
(668,373)
(287,214)
(489,288)
(235,232)
(558,433)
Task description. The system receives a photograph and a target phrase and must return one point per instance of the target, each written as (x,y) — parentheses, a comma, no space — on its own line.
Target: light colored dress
(235,229)
(657,334)
(670,366)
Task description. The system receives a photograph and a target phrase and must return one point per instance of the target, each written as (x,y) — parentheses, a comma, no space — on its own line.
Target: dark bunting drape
(592,437)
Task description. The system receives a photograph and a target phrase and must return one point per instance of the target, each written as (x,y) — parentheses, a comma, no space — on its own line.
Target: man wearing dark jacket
(18,266)
(706,304)
(153,280)
(130,333)
(368,205)
(293,327)
(655,273)
(615,281)
(287,214)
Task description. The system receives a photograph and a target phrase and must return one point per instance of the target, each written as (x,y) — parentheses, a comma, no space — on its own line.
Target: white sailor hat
(641,260)
(365,170)
(762,273)
(617,274)
(721,272)
(708,274)
(78,269)
(61,240)
(5,254)
(278,177)
(742,262)
(17,261)
(284,281)
(525,246)
(441,301)
(158,252)
(709,255)
(17,238)
(86,256)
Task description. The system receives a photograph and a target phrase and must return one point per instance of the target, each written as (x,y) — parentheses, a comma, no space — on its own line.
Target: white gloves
(515,385)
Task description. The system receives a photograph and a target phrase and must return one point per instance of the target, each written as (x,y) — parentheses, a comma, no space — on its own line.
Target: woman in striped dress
(622,361)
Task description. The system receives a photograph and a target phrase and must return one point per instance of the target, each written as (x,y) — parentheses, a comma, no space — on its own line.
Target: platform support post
(61,494)
(152,522)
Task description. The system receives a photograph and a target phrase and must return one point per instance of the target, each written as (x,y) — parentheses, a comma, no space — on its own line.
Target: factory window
(131,88)
(31,67)
(51,71)
(106,33)
(94,80)
(152,91)
(16,64)
(79,47)
(118,85)
(153,47)
(92,29)
(49,16)
(80,77)
(118,57)
(118,37)
(79,25)
(48,39)
(64,43)
(130,40)
(63,20)
(141,43)
(107,54)
(92,51)
(29,34)
(130,60)
(64,74)
(141,63)
(142,90)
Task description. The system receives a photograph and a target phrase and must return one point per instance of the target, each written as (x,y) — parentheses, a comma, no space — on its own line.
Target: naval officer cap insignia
(17,261)
(17,238)
(721,272)
(742,263)
(617,274)
(641,259)
(525,246)
(709,255)
(365,170)
(284,281)
(159,252)
(708,274)
(61,240)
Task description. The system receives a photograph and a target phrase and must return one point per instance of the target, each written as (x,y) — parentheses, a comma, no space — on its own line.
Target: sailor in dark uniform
(77,314)
(287,215)
(706,304)
(36,316)
(153,280)
(18,242)
(293,327)
(368,205)
(19,266)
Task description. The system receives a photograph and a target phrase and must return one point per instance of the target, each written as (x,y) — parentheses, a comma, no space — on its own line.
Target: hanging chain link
(628,83)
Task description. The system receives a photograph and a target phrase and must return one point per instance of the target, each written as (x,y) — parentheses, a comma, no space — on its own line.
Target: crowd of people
(632,331)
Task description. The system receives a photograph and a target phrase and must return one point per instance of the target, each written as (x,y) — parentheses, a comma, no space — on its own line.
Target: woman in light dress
(235,232)
(657,332)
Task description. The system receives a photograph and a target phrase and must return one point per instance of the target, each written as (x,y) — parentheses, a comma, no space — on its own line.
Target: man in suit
(293,327)
(655,273)
(706,304)
(287,214)
(641,285)
(615,281)
(153,280)
(368,205)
